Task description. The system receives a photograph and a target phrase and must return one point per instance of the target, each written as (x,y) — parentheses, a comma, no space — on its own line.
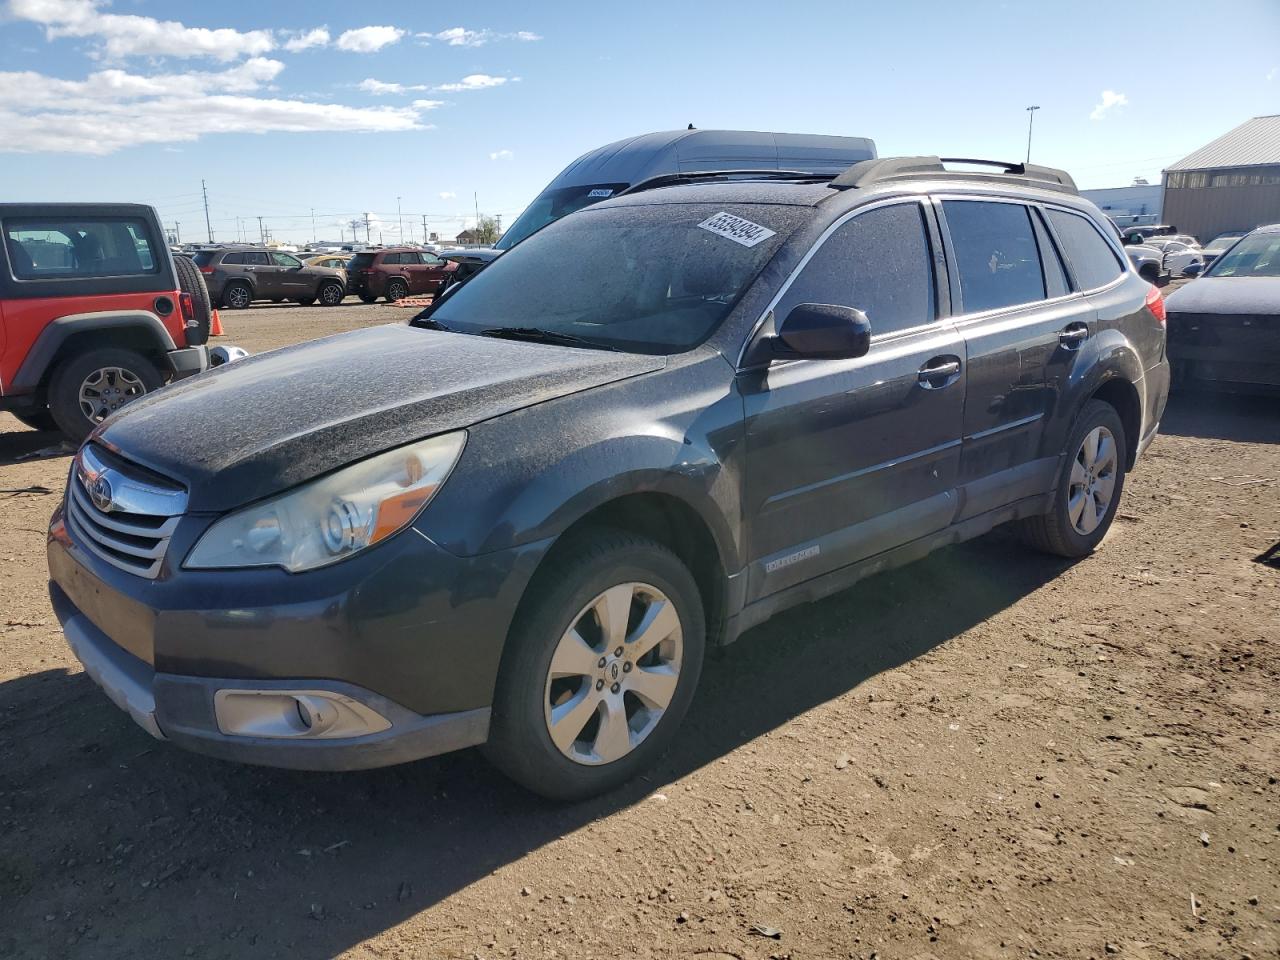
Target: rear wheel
(237,296)
(1150,273)
(89,387)
(397,289)
(331,293)
(191,281)
(1089,486)
(600,668)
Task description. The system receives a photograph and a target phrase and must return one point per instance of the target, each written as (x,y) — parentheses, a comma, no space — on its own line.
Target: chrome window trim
(920,200)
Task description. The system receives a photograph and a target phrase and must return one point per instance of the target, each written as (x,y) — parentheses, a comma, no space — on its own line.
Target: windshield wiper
(538,335)
(426,323)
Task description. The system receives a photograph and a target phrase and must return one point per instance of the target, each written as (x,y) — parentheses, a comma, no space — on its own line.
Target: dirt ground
(991,753)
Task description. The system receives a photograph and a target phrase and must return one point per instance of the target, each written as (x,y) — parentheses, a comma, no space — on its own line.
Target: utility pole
(1031,116)
(476,196)
(177,232)
(499,219)
(262,235)
(207,222)
(366,229)
(400,217)
(313,224)
(424,229)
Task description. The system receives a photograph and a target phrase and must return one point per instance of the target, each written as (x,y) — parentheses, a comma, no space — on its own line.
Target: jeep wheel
(368,298)
(600,667)
(40,420)
(331,294)
(396,290)
(1089,486)
(191,281)
(237,296)
(88,387)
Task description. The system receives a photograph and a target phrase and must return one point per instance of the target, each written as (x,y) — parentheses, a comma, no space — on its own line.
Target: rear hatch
(359,269)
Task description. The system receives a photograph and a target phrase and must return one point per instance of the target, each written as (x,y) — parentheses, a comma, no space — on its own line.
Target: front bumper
(406,629)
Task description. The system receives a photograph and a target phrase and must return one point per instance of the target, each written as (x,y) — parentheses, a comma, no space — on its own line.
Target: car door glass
(995,252)
(257,259)
(1055,276)
(1092,260)
(413,259)
(54,248)
(284,260)
(391,260)
(431,260)
(234,259)
(878,262)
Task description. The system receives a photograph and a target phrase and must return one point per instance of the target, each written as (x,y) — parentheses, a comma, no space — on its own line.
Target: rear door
(848,458)
(257,268)
(1023,331)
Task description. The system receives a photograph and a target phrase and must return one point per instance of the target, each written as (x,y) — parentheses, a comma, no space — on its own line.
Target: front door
(292,282)
(849,458)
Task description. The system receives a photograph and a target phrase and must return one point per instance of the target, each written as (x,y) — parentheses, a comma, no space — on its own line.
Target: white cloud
(501,155)
(369,39)
(1273,73)
(127,35)
(379,87)
(447,195)
(462,37)
(475,81)
(113,109)
(427,104)
(305,39)
(1110,100)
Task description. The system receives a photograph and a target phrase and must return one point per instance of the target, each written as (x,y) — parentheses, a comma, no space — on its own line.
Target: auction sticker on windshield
(737,229)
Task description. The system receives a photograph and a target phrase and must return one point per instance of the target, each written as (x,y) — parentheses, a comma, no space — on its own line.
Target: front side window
(66,249)
(1257,255)
(996,254)
(655,279)
(1093,261)
(284,260)
(879,262)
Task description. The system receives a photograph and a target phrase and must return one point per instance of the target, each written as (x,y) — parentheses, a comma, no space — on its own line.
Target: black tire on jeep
(191,281)
(397,289)
(600,667)
(39,420)
(237,295)
(88,387)
(331,293)
(368,298)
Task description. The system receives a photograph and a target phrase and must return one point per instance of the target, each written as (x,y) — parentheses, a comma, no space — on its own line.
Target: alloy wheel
(396,290)
(613,674)
(238,297)
(106,390)
(331,294)
(1093,480)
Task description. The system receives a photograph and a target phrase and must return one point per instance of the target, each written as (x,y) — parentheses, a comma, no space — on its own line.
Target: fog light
(294,715)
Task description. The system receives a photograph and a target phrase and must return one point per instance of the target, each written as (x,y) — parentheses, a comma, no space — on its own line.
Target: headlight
(331,518)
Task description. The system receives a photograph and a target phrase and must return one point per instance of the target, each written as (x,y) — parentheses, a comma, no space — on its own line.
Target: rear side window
(1092,260)
(879,263)
(392,259)
(996,254)
(68,249)
(257,259)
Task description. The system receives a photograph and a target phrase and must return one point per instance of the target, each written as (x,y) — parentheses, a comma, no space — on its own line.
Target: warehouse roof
(1254,142)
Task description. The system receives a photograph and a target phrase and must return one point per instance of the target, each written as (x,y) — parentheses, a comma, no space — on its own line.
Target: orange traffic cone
(215,326)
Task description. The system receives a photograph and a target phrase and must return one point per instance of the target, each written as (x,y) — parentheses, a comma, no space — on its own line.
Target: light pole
(1031,117)
(400,217)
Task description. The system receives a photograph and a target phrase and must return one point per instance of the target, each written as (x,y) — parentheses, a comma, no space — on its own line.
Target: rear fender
(1111,357)
(45,351)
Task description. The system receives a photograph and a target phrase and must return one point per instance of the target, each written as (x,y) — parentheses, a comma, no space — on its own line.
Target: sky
(289,110)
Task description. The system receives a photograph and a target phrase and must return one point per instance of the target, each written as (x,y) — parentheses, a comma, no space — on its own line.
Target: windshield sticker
(599,193)
(736,229)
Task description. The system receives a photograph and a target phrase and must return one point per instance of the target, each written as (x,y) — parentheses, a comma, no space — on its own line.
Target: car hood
(266,423)
(1227,295)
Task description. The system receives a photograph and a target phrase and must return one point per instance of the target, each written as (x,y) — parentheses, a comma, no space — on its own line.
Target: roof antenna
(692,127)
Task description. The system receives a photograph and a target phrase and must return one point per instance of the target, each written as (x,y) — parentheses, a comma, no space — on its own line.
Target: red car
(397,272)
(94,312)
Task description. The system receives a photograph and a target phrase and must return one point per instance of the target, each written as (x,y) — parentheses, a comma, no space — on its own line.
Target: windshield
(551,205)
(1257,255)
(645,279)
(1225,240)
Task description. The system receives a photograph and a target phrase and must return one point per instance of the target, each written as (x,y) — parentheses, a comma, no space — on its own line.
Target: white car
(1180,258)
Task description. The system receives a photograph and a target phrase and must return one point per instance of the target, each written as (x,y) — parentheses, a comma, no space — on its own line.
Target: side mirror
(1193,269)
(816,331)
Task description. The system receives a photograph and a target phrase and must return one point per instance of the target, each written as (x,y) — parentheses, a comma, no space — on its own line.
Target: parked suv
(649,426)
(396,273)
(238,276)
(94,312)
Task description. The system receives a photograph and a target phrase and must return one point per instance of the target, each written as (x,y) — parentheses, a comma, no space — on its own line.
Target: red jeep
(93,312)
(397,272)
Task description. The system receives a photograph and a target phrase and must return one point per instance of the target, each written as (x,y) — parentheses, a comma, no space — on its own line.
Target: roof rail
(867,173)
(689,176)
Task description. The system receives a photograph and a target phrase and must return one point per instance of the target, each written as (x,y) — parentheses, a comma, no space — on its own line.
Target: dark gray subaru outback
(520,520)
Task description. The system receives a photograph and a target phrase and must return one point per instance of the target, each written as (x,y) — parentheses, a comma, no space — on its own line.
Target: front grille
(121,514)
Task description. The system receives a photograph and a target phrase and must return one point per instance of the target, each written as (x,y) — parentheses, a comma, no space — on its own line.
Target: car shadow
(1222,416)
(22,443)
(136,848)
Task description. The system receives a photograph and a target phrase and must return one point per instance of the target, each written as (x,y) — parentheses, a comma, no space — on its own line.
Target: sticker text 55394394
(737,229)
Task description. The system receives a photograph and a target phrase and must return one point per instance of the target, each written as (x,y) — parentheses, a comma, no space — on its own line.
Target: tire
(397,289)
(117,370)
(40,420)
(332,293)
(1058,531)
(1150,273)
(563,597)
(237,295)
(191,281)
(368,298)
(305,301)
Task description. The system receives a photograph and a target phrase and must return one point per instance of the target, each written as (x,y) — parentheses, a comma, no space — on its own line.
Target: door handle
(1073,336)
(938,369)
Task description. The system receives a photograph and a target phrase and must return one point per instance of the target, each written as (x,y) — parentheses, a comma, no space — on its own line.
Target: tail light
(187,306)
(1155,303)
(207,268)
(366,273)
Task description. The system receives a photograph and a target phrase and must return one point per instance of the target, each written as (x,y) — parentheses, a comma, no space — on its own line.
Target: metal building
(1232,183)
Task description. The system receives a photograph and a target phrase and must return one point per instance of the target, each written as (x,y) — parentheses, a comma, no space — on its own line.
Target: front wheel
(1089,486)
(600,668)
(89,387)
(331,294)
